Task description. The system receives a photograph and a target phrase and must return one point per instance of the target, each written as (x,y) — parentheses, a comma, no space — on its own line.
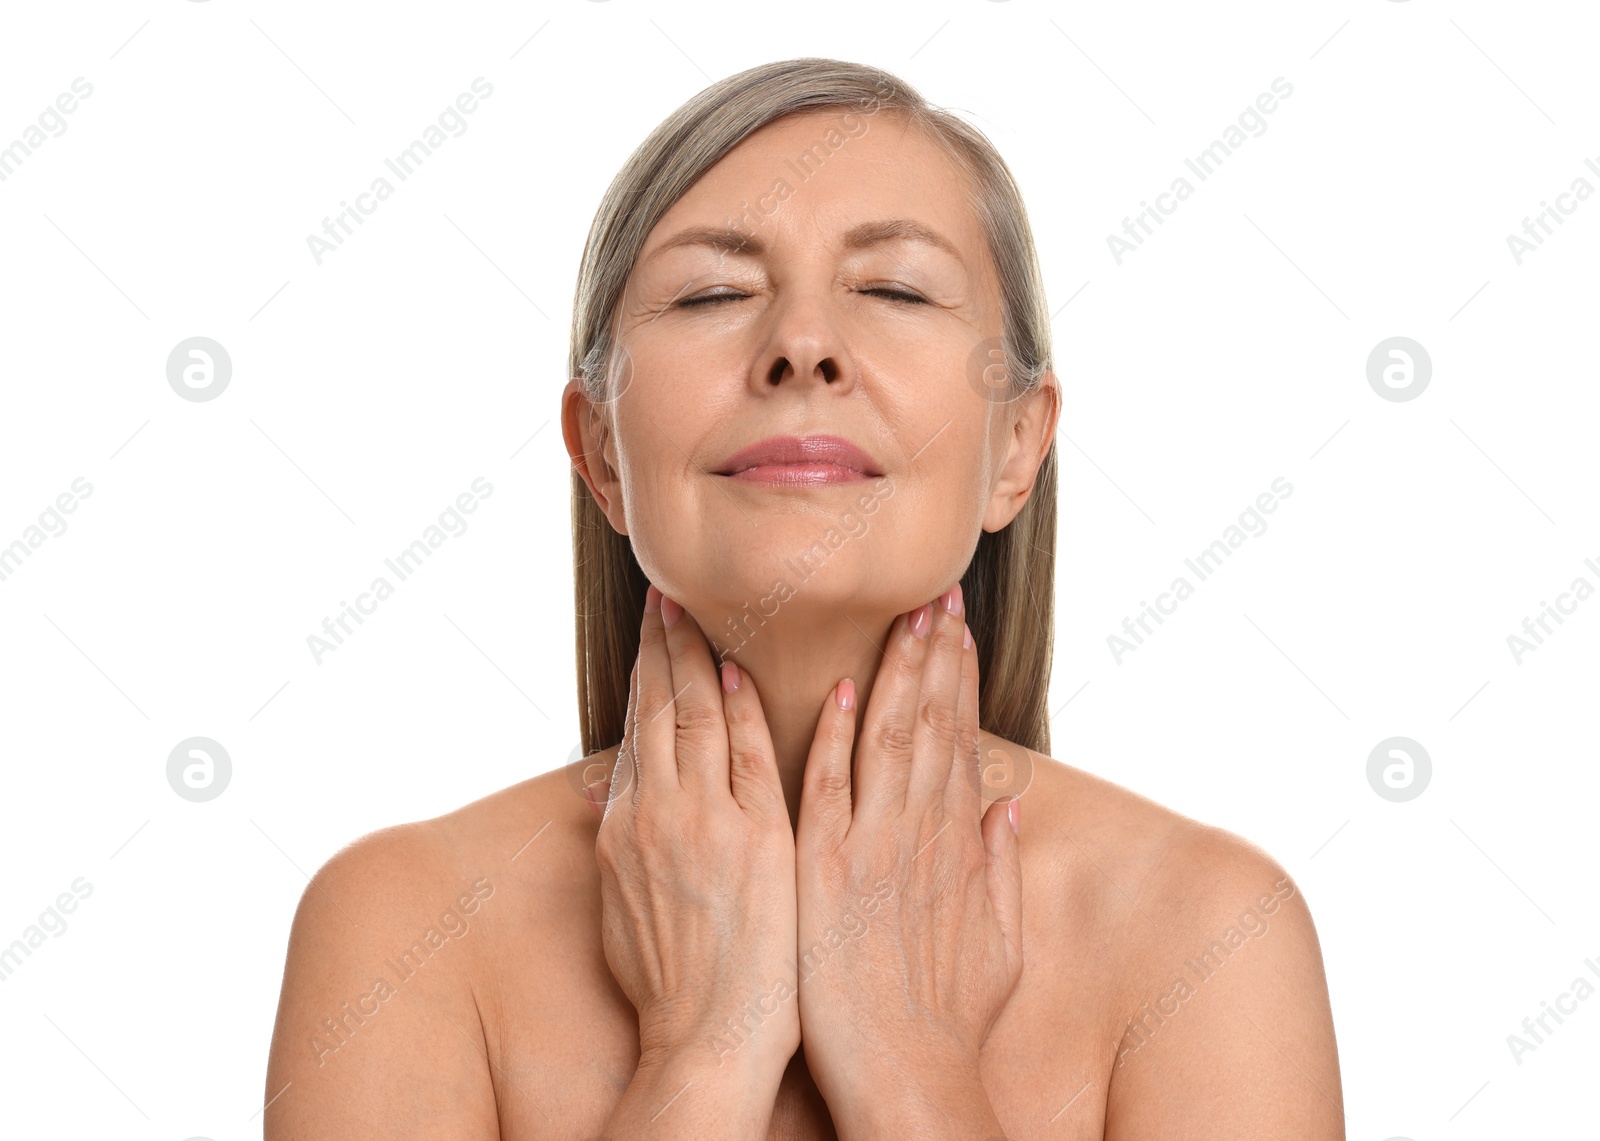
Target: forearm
(691,1095)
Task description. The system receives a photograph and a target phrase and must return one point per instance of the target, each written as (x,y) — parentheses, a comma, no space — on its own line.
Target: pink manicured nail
(730,677)
(670,612)
(845,694)
(966,639)
(652,599)
(922,620)
(951,600)
(1014,814)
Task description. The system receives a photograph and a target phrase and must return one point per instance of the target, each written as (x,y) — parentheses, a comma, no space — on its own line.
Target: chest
(563,1044)
(563,1039)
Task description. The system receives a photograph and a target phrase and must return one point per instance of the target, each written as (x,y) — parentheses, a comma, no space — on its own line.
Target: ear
(1032,431)
(587,432)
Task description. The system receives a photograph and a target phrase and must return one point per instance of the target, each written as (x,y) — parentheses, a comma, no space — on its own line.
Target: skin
(1109,969)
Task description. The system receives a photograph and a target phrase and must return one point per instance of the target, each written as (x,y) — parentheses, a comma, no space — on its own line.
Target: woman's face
(828,277)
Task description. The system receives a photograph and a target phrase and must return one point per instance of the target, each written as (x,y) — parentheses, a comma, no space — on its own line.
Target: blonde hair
(1009,585)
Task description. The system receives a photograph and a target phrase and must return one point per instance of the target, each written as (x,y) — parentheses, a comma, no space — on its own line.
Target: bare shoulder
(1165,868)
(380,1019)
(1220,995)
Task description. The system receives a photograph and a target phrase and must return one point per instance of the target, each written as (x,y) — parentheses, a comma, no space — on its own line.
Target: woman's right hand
(697,860)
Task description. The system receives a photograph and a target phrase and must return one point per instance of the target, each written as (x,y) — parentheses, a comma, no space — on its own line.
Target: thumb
(825,796)
(1004,869)
(597,794)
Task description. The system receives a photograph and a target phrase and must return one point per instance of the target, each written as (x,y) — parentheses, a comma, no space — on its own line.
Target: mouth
(800,461)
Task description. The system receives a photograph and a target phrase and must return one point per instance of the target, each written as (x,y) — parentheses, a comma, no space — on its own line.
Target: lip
(801,460)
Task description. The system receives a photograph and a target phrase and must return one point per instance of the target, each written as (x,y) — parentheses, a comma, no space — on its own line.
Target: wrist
(914,1100)
(757,1041)
(710,1061)
(689,1093)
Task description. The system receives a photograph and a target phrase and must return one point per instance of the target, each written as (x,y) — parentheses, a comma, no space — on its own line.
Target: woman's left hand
(909,896)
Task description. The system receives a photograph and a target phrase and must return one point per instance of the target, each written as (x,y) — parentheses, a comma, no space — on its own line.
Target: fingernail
(670,612)
(966,639)
(1014,814)
(730,677)
(652,599)
(922,620)
(951,600)
(594,805)
(845,694)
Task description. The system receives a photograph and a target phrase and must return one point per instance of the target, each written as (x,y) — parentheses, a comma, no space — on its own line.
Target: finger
(655,724)
(964,781)
(938,702)
(700,740)
(752,762)
(597,792)
(825,793)
(621,791)
(884,767)
(1003,871)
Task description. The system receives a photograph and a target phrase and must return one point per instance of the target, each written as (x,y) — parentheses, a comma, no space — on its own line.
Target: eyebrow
(860,237)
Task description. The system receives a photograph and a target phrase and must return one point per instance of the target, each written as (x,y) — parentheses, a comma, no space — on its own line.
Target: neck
(795,664)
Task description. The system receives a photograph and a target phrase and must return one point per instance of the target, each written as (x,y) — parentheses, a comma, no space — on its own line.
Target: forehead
(821,174)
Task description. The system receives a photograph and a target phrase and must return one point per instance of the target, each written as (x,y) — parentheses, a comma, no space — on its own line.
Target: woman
(811,428)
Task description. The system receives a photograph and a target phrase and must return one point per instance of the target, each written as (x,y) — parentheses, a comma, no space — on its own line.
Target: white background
(367,392)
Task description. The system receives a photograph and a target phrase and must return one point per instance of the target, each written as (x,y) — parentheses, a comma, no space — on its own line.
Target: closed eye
(706,299)
(899,295)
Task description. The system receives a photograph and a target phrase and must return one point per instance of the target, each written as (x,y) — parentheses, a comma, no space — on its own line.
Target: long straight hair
(1009,585)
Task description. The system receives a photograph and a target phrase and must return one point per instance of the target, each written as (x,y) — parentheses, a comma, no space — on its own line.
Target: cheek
(650,420)
(658,427)
(927,529)
(955,465)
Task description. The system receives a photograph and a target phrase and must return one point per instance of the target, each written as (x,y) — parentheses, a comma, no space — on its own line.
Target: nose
(827,369)
(804,340)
